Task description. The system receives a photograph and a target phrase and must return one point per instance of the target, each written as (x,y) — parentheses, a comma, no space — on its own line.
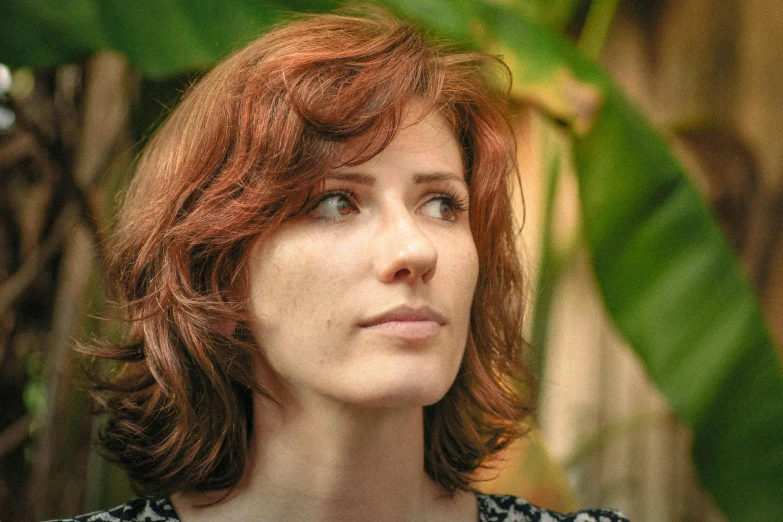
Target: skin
(346,441)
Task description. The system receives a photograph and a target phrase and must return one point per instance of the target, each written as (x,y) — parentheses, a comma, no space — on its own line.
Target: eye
(443,207)
(334,205)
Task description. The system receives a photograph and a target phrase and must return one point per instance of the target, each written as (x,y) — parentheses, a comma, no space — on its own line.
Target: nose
(403,252)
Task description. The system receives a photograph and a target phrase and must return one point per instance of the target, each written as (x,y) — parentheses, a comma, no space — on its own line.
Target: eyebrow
(425,177)
(438,176)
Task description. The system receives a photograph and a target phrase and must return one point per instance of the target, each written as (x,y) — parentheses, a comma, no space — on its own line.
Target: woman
(318,260)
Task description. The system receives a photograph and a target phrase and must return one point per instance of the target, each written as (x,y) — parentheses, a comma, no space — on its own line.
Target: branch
(15,434)
(15,285)
(15,148)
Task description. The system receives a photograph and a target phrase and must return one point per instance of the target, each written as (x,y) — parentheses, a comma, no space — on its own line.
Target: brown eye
(343,206)
(447,210)
(334,206)
(440,208)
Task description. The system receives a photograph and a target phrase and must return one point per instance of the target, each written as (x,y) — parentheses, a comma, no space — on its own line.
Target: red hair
(239,155)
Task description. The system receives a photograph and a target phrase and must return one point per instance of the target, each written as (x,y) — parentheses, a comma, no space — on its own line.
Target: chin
(420,391)
(404,400)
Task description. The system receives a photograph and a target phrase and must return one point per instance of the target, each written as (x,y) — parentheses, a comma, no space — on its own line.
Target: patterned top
(505,508)
(492,508)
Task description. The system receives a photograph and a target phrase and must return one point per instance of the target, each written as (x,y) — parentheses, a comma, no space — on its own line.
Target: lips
(406,322)
(406,314)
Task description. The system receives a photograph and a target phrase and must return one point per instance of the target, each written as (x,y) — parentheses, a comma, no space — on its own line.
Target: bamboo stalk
(60,467)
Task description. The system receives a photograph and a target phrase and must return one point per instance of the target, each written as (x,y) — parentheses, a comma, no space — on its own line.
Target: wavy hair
(239,155)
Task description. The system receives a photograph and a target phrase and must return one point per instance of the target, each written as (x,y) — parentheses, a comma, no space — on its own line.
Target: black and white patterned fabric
(137,510)
(492,508)
(505,508)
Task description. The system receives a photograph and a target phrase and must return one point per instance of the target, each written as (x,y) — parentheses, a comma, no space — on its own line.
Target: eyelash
(459,203)
(330,194)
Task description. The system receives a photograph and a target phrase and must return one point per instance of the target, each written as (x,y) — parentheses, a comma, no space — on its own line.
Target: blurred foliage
(668,278)
(534,475)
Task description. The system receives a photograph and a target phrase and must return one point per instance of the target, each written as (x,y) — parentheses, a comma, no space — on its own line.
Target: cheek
(467,268)
(293,280)
(473,262)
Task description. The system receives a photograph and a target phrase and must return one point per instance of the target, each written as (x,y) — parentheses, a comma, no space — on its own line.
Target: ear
(227,327)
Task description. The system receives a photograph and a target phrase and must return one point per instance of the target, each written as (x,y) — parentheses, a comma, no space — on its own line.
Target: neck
(326,461)
(333,459)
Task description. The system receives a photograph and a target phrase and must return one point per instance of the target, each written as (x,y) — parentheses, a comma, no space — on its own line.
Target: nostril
(402,273)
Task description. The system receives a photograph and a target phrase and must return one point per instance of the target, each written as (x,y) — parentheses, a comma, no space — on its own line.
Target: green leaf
(673,288)
(171,37)
(161,38)
(669,281)
(46,34)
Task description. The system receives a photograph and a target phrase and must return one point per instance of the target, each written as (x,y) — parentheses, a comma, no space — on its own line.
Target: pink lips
(406,322)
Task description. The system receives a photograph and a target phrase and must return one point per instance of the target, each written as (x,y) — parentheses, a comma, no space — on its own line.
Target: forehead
(424,142)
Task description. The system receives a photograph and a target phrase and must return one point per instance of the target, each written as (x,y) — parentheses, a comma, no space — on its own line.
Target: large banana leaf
(675,291)
(161,38)
(669,281)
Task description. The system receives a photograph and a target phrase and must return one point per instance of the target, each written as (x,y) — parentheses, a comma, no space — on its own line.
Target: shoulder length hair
(239,155)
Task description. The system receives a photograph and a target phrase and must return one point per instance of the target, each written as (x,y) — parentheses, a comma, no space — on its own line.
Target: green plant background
(669,281)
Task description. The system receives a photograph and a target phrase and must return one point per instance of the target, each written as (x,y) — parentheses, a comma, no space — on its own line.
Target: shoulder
(137,510)
(506,508)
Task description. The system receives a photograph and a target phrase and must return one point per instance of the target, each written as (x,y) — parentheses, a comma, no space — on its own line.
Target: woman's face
(365,297)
